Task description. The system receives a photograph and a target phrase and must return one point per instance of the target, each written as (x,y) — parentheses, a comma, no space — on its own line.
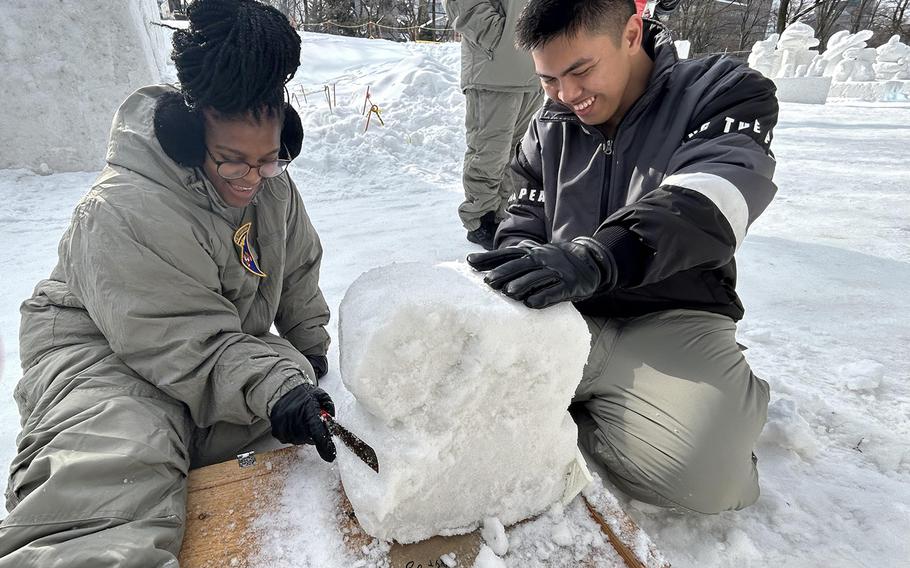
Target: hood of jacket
(134,146)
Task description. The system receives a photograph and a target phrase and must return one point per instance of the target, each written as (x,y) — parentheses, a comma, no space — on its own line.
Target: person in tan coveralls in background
(501,94)
(148,352)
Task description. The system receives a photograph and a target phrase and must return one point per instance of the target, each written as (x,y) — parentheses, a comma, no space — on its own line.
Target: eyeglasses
(236,170)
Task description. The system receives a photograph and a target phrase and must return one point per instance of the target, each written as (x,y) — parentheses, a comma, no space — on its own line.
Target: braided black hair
(236,57)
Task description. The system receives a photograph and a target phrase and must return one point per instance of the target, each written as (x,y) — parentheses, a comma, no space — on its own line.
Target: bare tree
(827,15)
(696,21)
(752,22)
(864,15)
(897,20)
(789,12)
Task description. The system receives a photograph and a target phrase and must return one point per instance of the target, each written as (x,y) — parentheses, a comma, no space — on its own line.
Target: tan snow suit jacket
(148,351)
(489,59)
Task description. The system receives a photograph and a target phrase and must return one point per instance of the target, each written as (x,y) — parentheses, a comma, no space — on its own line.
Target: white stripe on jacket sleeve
(725,196)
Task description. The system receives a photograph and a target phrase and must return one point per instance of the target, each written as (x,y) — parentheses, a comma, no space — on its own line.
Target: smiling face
(594,74)
(246,139)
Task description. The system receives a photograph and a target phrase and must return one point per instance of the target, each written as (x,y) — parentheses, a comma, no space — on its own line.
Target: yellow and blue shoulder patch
(247,259)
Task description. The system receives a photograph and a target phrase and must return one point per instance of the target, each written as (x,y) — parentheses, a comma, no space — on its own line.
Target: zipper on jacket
(607,147)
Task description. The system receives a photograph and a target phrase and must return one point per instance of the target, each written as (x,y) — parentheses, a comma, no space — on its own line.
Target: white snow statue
(66,67)
(787,60)
(856,65)
(825,65)
(796,45)
(893,60)
(463,395)
(764,57)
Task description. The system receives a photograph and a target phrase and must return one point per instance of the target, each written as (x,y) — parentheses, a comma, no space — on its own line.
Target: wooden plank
(621,548)
(223,501)
(623,538)
(428,553)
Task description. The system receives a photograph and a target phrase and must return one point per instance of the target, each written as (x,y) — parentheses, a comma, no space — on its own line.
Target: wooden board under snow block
(225,500)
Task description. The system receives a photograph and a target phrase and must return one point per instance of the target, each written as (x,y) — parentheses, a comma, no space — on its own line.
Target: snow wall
(65,67)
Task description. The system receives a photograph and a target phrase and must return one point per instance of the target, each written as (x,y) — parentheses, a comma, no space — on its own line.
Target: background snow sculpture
(787,60)
(893,60)
(796,45)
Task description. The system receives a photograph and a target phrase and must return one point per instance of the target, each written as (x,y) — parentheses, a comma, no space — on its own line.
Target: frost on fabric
(463,395)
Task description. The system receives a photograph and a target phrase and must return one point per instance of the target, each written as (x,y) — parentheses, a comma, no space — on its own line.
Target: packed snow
(463,395)
(824,276)
(54,104)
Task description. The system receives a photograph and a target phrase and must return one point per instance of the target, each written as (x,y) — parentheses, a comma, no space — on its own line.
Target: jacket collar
(659,46)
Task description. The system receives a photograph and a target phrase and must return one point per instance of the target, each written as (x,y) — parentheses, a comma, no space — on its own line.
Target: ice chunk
(463,395)
(863,375)
(494,534)
(486,558)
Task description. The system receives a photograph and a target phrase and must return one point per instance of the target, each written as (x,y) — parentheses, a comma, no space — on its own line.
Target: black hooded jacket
(671,195)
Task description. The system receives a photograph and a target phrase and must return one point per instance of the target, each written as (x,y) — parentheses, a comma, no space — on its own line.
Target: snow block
(463,395)
(66,67)
(806,90)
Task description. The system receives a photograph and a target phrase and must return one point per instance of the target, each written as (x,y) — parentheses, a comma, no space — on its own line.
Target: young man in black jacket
(641,176)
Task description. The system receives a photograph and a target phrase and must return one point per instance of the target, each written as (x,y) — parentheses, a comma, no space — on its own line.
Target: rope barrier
(374,24)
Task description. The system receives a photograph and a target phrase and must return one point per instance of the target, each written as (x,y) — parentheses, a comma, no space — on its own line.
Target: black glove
(552,273)
(295,419)
(484,261)
(320,364)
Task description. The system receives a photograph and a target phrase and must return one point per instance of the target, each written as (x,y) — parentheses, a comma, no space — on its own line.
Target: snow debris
(494,534)
(486,558)
(863,375)
(788,429)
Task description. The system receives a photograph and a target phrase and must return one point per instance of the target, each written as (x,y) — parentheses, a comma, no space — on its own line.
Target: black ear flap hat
(180,130)
(291,133)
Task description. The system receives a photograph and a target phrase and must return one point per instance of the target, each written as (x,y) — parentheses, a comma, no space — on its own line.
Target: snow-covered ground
(824,274)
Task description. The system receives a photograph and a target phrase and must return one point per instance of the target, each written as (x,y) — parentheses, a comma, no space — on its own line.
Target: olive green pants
(495,122)
(100,477)
(669,408)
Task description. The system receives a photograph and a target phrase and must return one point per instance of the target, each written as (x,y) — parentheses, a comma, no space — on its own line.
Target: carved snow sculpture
(893,60)
(463,395)
(764,57)
(796,45)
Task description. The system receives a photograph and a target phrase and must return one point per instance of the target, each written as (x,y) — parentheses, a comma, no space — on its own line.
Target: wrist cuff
(629,254)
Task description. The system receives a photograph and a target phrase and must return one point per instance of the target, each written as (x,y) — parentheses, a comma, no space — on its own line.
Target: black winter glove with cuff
(544,275)
(295,419)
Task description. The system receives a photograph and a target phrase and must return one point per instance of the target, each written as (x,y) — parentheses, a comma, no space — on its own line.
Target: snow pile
(463,395)
(66,69)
